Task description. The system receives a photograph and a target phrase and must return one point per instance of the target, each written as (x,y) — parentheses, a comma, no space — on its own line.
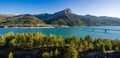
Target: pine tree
(103,50)
(116,49)
(10,55)
(56,53)
(47,55)
(71,53)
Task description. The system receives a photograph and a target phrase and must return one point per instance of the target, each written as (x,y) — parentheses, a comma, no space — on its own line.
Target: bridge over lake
(104,29)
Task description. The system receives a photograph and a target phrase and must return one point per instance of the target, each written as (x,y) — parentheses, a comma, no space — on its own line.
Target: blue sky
(81,7)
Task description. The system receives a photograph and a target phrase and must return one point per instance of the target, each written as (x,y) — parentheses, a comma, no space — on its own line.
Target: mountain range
(65,17)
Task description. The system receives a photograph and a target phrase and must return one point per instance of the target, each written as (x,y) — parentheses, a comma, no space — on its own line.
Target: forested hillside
(38,45)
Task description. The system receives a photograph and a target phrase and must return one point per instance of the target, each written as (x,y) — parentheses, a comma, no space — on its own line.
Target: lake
(70,31)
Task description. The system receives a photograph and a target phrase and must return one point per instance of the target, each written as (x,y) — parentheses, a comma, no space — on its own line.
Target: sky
(81,7)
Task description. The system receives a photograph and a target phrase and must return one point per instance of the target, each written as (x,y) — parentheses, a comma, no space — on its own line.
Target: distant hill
(21,20)
(65,17)
(7,15)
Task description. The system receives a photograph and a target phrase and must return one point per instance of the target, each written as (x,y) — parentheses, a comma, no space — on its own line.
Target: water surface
(70,31)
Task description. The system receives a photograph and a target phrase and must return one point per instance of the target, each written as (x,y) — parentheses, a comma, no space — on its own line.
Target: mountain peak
(67,10)
(64,12)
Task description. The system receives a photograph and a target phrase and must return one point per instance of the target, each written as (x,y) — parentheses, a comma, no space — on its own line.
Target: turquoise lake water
(70,31)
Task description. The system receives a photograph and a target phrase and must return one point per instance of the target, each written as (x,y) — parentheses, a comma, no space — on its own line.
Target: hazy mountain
(102,20)
(7,15)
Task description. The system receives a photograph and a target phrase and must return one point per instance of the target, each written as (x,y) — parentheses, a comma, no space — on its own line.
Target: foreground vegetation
(54,46)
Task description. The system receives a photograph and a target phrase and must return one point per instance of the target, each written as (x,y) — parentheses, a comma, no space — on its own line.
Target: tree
(47,55)
(74,41)
(88,38)
(81,40)
(108,44)
(100,45)
(116,49)
(9,40)
(56,53)
(103,50)
(60,40)
(85,43)
(10,55)
(71,53)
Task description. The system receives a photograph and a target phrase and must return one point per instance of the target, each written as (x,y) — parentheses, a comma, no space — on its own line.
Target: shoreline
(30,27)
(40,27)
(46,27)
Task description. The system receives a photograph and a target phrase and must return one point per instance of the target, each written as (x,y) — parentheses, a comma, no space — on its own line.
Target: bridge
(105,30)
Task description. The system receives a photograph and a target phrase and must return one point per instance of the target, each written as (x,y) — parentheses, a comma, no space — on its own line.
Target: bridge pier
(93,30)
(105,30)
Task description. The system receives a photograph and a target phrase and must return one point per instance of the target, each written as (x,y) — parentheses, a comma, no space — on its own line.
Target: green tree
(108,44)
(103,50)
(88,38)
(9,40)
(116,49)
(46,55)
(10,55)
(71,53)
(85,43)
(99,45)
(74,41)
(60,40)
(56,52)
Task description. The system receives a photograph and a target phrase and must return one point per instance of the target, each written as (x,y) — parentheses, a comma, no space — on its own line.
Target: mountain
(22,20)
(67,17)
(91,20)
(64,17)
(7,15)
(47,16)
